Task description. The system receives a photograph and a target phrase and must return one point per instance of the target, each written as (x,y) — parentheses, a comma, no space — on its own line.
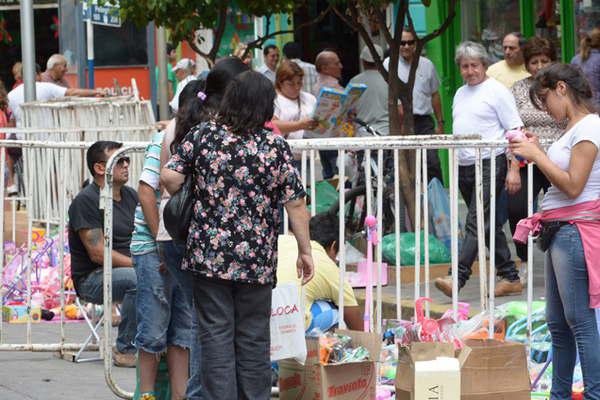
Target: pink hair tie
(202,96)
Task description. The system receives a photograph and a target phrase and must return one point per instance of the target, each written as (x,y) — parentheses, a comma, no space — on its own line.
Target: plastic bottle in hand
(516,135)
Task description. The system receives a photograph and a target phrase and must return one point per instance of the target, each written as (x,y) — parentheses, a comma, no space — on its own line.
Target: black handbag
(547,233)
(179,210)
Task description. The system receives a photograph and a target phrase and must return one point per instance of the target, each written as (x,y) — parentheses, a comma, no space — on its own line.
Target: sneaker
(508,288)
(125,360)
(444,285)
(11,190)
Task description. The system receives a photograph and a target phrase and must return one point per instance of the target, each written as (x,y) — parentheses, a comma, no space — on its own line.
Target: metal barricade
(345,147)
(394,144)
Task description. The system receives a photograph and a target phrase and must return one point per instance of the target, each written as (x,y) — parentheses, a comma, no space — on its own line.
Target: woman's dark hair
(193,109)
(248,103)
(537,46)
(579,89)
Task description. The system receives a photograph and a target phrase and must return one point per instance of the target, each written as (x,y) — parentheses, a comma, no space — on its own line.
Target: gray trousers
(235,339)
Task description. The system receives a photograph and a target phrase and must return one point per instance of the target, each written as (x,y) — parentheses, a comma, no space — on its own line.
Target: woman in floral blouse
(243,172)
(538,53)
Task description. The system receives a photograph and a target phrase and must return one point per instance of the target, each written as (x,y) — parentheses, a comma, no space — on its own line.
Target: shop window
(487,21)
(120,46)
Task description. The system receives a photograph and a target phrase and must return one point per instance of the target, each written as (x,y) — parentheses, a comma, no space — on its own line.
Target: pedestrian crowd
(206,302)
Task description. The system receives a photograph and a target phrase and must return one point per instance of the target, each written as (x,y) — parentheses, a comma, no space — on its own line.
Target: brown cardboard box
(495,370)
(351,381)
(490,369)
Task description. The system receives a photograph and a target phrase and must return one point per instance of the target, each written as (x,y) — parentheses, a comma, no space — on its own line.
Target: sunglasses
(407,42)
(120,161)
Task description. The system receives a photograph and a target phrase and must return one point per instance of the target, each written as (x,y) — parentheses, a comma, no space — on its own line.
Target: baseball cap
(184,63)
(365,54)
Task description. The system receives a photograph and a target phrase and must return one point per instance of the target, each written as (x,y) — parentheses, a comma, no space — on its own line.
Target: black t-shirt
(84,213)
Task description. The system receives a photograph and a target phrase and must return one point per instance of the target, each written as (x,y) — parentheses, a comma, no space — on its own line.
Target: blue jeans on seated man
(164,312)
(571,321)
(124,283)
(173,254)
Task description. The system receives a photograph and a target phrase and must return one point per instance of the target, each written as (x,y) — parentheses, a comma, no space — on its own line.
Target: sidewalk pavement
(45,376)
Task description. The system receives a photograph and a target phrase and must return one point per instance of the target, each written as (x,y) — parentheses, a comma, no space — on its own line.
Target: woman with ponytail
(589,60)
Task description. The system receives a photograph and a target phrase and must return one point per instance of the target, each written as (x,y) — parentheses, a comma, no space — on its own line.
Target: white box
(437,379)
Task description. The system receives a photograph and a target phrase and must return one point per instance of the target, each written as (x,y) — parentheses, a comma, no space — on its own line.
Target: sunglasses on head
(407,42)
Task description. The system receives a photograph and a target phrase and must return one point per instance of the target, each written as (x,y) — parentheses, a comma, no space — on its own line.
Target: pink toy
(515,136)
(429,326)
(371,228)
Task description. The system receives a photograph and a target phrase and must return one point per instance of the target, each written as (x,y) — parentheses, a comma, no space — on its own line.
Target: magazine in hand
(336,109)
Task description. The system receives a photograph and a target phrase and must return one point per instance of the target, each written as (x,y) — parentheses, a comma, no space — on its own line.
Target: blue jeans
(164,313)
(173,254)
(571,322)
(124,284)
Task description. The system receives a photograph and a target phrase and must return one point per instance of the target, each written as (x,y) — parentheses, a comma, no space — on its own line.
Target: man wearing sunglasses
(426,97)
(86,241)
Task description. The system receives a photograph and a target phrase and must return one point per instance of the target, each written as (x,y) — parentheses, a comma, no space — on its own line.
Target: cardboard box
(408,356)
(490,369)
(437,379)
(495,370)
(350,381)
(17,314)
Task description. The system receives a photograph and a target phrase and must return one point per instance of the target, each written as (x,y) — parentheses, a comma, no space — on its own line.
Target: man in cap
(184,71)
(372,106)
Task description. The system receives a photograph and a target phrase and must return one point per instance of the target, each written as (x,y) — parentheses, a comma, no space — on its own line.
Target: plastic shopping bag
(439,211)
(287,324)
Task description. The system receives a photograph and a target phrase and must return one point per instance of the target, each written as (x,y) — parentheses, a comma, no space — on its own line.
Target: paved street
(41,376)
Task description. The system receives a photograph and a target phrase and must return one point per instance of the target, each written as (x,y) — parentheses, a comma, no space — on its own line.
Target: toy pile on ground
(45,280)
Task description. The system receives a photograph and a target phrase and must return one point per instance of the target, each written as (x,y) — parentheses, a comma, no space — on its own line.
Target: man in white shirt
(293,52)
(56,68)
(184,72)
(426,97)
(45,91)
(512,68)
(482,106)
(271,55)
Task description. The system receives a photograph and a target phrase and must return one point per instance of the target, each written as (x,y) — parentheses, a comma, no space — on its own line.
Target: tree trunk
(407,182)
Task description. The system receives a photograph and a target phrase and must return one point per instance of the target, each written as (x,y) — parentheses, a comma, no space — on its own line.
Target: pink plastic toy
(515,136)
(371,228)
(429,326)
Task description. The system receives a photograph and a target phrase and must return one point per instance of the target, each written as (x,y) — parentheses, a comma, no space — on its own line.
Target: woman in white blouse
(293,107)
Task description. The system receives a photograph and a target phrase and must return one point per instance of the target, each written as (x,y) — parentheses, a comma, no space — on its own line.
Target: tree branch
(212,55)
(357,26)
(259,42)
(437,32)
(191,41)
(380,16)
(400,15)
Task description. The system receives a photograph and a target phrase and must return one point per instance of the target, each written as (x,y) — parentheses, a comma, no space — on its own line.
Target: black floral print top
(241,180)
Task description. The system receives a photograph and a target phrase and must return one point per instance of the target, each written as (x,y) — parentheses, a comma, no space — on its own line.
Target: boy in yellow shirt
(322,292)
